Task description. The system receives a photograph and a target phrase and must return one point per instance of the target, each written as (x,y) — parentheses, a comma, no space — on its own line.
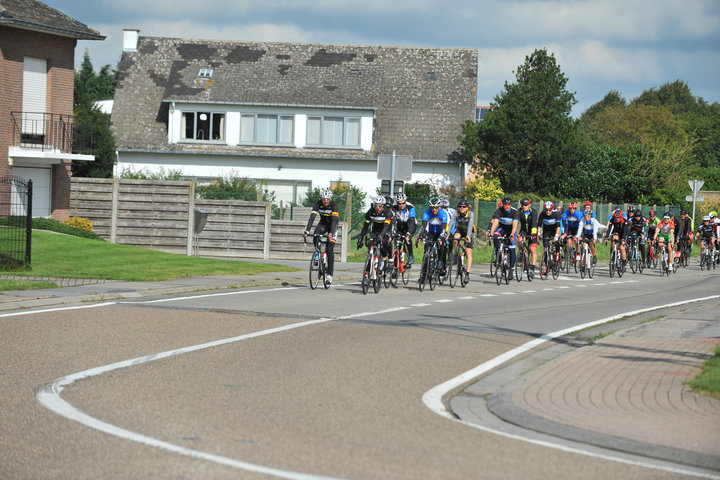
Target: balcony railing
(52,132)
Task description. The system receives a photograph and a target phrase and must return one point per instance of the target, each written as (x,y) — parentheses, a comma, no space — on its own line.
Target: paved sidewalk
(626,392)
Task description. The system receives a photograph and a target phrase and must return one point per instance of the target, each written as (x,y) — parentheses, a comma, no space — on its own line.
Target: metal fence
(15,222)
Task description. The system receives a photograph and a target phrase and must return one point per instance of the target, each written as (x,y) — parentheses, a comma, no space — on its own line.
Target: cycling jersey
(589,228)
(652,224)
(637,225)
(465,224)
(450,212)
(665,230)
(377,222)
(528,222)
(328,216)
(405,220)
(435,223)
(550,224)
(618,226)
(506,218)
(706,231)
(571,221)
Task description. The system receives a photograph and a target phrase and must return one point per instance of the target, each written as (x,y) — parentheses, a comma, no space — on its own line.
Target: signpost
(695,185)
(394,167)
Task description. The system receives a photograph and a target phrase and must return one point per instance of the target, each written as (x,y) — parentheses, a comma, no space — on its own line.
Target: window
(267,129)
(333,131)
(203,126)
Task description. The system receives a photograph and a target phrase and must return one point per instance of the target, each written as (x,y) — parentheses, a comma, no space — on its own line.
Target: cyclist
(706,234)
(686,230)
(715,222)
(377,220)
(445,205)
(328,224)
(652,223)
(571,219)
(504,223)
(637,226)
(528,229)
(588,231)
(549,225)
(665,233)
(405,222)
(434,227)
(587,206)
(617,226)
(462,223)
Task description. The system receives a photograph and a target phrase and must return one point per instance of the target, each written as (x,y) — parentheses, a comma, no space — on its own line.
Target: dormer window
(205,73)
(203,126)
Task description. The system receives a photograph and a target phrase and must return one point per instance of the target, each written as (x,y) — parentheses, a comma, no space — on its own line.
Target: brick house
(37,53)
(292,116)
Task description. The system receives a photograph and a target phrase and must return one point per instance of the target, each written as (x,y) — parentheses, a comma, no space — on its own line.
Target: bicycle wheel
(404,270)
(464,276)
(633,259)
(493,262)
(613,262)
(432,273)
(424,271)
(544,265)
(520,263)
(314,271)
(377,282)
(566,260)
(620,268)
(452,269)
(556,266)
(640,266)
(366,275)
(583,263)
(575,260)
(591,265)
(507,271)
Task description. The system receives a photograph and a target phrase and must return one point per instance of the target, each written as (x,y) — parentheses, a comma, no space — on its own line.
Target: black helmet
(463,203)
(507,201)
(638,213)
(524,201)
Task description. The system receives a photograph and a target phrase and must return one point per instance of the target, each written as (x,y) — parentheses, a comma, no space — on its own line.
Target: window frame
(348,122)
(281,129)
(212,128)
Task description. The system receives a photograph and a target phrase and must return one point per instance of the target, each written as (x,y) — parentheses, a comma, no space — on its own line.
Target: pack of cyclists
(394,218)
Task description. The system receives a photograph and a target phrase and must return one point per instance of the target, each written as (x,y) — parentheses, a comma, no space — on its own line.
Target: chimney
(130,39)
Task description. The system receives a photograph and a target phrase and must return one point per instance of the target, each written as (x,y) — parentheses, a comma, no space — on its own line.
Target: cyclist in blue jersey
(405,221)
(505,223)
(434,227)
(571,219)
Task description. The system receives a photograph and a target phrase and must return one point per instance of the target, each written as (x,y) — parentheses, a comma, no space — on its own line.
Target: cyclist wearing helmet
(550,224)
(570,222)
(588,231)
(377,220)
(686,232)
(618,227)
(637,226)
(715,222)
(588,206)
(405,221)
(434,227)
(706,234)
(328,224)
(505,223)
(528,229)
(652,223)
(665,233)
(462,224)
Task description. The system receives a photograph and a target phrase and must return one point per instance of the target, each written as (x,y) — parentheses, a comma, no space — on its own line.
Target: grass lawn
(66,256)
(708,382)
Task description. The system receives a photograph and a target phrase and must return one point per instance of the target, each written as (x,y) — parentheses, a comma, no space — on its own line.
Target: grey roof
(34,15)
(420,96)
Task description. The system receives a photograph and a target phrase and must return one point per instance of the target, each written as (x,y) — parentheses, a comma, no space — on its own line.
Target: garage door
(42,188)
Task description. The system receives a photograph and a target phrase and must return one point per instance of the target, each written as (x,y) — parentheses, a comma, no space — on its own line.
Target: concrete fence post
(344,244)
(191,218)
(266,236)
(114,210)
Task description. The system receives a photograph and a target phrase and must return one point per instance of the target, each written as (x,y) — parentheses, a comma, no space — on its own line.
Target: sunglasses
(401,203)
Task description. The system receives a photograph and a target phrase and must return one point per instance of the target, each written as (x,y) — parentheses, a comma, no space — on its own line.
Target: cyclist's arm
(471,226)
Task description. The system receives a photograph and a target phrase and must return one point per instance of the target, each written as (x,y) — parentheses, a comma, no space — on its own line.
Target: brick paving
(633,387)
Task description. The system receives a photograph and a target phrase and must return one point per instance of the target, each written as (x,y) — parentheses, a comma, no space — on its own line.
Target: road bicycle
(456,265)
(707,257)
(430,269)
(318,262)
(502,262)
(399,269)
(635,256)
(652,253)
(664,261)
(570,258)
(684,252)
(370,270)
(550,259)
(586,264)
(616,264)
(522,261)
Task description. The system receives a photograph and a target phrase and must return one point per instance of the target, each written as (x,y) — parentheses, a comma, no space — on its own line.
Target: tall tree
(528,136)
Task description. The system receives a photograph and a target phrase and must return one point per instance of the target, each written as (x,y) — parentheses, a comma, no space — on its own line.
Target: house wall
(361,173)
(15,44)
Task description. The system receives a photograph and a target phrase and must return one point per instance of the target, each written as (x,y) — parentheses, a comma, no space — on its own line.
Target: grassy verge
(74,257)
(6,285)
(708,382)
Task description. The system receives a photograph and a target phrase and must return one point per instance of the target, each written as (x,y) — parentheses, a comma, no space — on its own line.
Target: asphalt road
(336,393)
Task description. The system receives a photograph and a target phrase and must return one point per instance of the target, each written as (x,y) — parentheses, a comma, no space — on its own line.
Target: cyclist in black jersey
(637,225)
(464,222)
(405,222)
(328,224)
(377,220)
(528,228)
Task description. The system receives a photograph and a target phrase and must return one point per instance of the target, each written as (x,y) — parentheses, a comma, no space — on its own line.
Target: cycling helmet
(630,208)
(666,217)
(445,203)
(572,205)
(683,212)
(499,203)
(706,218)
(326,194)
(400,197)
(549,205)
(507,201)
(588,203)
(713,214)
(434,202)
(617,213)
(652,213)
(524,201)
(588,213)
(463,203)
(377,201)
(638,213)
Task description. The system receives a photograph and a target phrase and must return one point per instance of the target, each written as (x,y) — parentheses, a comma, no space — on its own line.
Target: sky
(600,45)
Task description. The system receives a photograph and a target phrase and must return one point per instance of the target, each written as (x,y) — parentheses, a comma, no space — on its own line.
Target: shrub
(55,226)
(79,222)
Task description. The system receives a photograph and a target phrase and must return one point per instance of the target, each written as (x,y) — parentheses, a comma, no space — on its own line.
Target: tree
(587,121)
(90,87)
(528,136)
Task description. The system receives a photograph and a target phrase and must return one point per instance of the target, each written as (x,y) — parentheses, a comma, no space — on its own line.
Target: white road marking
(443,300)
(433,397)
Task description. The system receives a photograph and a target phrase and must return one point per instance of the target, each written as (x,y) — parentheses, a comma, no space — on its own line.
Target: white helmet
(400,197)
(379,200)
(434,202)
(326,194)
